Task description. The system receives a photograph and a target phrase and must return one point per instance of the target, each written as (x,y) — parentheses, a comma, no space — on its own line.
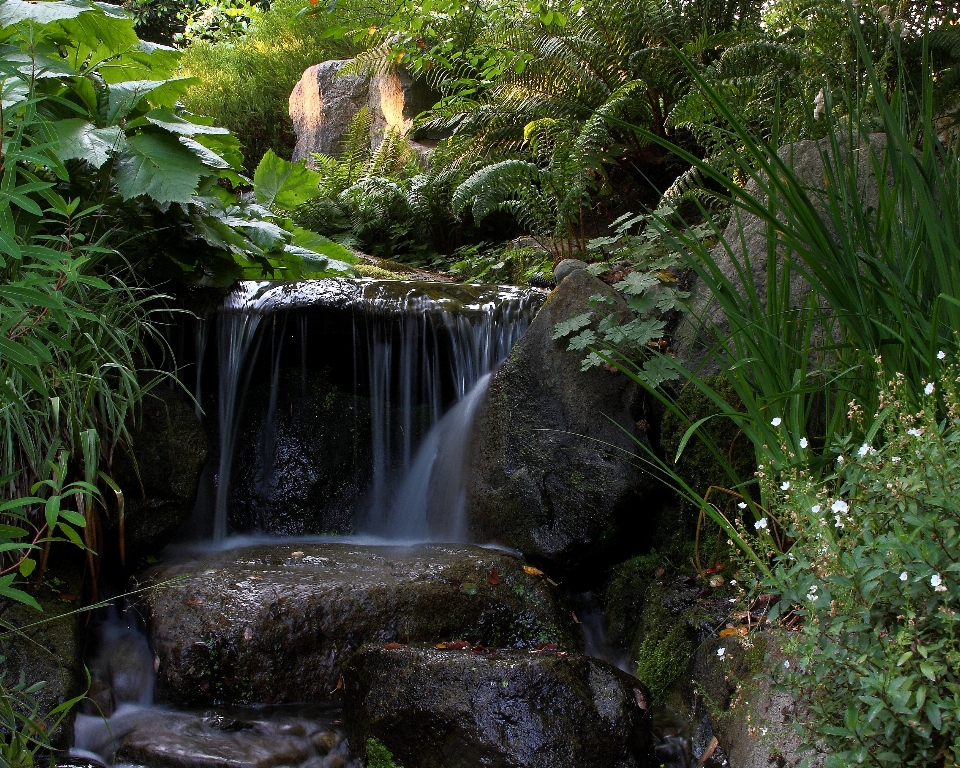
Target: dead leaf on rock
(531,571)
(193,602)
(394,646)
(641,698)
(455,645)
(733,632)
(482,650)
(493,576)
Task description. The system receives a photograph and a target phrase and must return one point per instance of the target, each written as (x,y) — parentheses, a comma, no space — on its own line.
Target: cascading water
(418,349)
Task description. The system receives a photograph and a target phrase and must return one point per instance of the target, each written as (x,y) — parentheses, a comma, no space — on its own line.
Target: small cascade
(412,350)
(237,331)
(121,726)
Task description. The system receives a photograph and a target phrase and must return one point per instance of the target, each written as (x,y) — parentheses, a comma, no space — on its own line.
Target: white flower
(935,580)
(815,508)
(903,576)
(941,354)
(733,582)
(915,432)
(721,652)
(839,459)
(786,664)
(839,522)
(785,485)
(928,390)
(840,506)
(864,450)
(777,421)
(742,505)
(894,459)
(803,442)
(761,523)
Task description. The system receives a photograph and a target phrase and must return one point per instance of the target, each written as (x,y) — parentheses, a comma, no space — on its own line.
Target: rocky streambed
(448,655)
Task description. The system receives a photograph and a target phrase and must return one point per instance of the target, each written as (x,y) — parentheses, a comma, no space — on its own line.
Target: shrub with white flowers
(872,578)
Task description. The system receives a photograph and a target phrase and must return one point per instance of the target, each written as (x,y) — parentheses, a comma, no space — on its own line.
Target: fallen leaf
(641,698)
(297,554)
(456,645)
(531,571)
(67,596)
(193,602)
(493,576)
(394,646)
(575,619)
(339,685)
(716,581)
(547,647)
(659,573)
(482,650)
(733,632)
(716,568)
(708,752)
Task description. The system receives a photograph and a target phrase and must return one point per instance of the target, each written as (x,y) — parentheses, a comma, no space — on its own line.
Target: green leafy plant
(871,582)
(483,264)
(217,21)
(24,729)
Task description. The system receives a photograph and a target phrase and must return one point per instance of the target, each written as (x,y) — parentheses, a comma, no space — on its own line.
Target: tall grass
(851,295)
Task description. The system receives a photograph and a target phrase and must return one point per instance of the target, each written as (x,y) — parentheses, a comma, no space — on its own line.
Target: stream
(404,367)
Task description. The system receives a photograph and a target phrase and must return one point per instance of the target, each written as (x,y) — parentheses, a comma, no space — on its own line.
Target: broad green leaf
(278,182)
(209,158)
(14,11)
(27,566)
(165,119)
(322,245)
(125,95)
(82,140)
(160,167)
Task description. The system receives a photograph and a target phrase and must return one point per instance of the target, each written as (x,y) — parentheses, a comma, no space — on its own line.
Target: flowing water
(421,354)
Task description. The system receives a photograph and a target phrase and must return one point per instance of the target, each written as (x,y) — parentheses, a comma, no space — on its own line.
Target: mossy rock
(655,613)
(47,646)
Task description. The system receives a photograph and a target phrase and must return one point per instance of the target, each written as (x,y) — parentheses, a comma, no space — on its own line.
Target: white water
(420,341)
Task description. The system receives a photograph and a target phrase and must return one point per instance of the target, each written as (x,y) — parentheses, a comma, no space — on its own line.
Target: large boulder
(554,475)
(746,239)
(753,722)
(324,103)
(510,709)
(276,623)
(160,479)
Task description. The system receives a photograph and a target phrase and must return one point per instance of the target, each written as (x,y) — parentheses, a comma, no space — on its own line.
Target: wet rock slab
(252,738)
(456,709)
(276,623)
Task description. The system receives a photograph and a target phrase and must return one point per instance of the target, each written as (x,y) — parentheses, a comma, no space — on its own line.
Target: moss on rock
(655,613)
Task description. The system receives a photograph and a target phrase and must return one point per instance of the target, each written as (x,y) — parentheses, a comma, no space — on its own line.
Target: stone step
(468,708)
(276,623)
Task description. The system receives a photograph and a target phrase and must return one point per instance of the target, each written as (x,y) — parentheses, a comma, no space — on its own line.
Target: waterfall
(421,358)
